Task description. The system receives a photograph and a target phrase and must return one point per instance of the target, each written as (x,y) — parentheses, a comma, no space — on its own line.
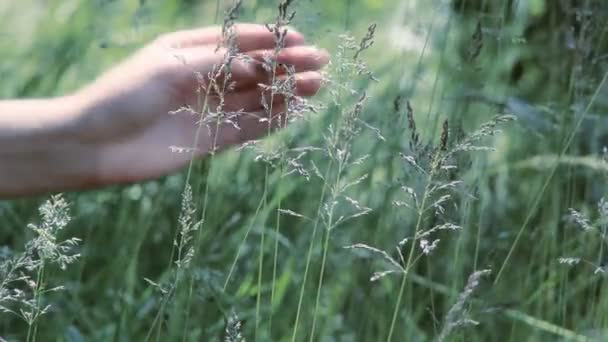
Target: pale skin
(118,128)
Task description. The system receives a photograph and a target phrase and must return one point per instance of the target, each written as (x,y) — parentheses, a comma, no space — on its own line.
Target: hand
(125,112)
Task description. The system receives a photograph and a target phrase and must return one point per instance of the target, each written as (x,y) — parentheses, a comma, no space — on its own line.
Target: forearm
(39,147)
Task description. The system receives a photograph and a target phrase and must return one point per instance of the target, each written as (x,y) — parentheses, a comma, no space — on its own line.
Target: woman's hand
(119,128)
(128,117)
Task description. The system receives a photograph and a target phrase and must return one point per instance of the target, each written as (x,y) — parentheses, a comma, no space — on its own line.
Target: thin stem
(417,70)
(242,244)
(282,124)
(202,104)
(160,325)
(259,287)
(203,213)
(410,258)
(435,121)
(198,242)
(397,305)
(478,235)
(319,285)
(32,328)
(218,5)
(309,254)
(155,320)
(432,298)
(266,183)
(325,249)
(276,250)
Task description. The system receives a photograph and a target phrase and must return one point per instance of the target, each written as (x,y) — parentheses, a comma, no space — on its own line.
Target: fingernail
(322,53)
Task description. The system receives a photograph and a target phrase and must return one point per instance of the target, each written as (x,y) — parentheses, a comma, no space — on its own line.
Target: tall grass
(411,158)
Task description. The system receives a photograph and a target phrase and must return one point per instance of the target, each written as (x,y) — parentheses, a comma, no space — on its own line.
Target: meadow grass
(460,160)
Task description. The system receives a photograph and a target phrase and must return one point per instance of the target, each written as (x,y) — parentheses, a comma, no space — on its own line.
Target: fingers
(248,74)
(255,124)
(303,58)
(254,37)
(248,37)
(306,84)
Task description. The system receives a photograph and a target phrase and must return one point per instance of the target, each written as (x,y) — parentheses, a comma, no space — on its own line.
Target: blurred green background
(539,60)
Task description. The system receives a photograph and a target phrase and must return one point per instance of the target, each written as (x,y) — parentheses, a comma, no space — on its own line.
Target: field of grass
(467,184)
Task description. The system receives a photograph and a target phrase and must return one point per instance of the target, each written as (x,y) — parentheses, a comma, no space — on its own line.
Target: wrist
(40,149)
(73,156)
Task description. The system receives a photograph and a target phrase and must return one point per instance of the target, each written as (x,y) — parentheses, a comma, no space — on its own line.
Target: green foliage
(405,150)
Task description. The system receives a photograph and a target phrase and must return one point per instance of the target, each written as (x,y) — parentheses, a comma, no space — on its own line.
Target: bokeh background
(542,61)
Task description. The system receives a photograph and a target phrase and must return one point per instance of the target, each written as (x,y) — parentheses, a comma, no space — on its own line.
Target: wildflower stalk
(279,31)
(309,253)
(276,248)
(265,197)
(397,305)
(410,258)
(32,328)
(314,233)
(260,273)
(203,217)
(203,107)
(30,268)
(265,201)
(457,315)
(325,249)
(339,146)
